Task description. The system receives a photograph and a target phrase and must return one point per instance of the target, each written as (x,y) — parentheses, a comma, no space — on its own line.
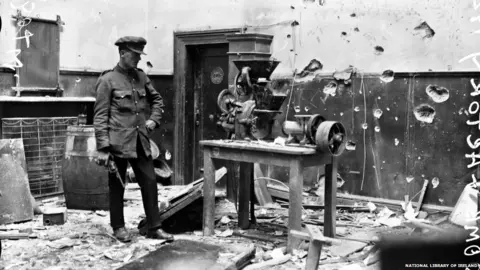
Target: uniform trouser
(145,175)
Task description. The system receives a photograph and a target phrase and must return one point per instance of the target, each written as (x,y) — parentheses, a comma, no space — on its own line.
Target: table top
(262,146)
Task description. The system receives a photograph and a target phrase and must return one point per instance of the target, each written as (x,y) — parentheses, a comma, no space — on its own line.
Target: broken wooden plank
(391,202)
(243,259)
(188,188)
(339,223)
(349,247)
(417,224)
(440,220)
(422,195)
(16,236)
(283,193)
(351,208)
(335,241)
(259,237)
(260,186)
(269,264)
(180,204)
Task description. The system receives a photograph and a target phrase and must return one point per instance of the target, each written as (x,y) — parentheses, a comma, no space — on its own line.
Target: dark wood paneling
(82,84)
(424,151)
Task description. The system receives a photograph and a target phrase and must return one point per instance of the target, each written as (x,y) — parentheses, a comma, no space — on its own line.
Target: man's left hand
(150,125)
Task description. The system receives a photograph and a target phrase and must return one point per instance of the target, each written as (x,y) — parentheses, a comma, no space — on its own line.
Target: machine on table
(248,113)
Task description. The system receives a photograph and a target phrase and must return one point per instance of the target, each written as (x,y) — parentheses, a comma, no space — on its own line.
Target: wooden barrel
(85,183)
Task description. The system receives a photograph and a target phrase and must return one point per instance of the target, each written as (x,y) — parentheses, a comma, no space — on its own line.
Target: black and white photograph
(239,134)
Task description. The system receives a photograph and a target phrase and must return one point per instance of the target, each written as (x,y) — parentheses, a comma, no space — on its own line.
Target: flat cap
(135,44)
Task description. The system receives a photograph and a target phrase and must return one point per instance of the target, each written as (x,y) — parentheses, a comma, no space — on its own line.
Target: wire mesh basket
(44,145)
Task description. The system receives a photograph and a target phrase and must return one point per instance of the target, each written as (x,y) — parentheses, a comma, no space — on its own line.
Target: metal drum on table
(85,183)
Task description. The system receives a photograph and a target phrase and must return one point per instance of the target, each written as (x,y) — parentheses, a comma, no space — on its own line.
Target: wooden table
(296,158)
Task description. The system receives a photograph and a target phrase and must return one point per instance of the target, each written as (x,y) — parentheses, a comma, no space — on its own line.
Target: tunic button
(137,127)
(136,102)
(133,89)
(137,113)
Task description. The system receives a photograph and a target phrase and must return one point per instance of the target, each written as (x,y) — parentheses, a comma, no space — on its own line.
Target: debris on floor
(84,239)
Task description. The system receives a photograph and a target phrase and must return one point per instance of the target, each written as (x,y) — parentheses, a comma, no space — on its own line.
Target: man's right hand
(102,158)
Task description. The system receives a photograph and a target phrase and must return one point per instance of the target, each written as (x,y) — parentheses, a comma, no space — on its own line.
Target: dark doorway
(197,55)
(210,77)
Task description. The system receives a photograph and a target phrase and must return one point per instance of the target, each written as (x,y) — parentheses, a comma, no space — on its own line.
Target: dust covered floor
(85,241)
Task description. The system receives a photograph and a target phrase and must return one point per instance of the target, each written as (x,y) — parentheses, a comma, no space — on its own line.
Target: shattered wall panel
(396,146)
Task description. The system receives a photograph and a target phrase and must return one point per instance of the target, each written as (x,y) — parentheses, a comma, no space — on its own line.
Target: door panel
(211,79)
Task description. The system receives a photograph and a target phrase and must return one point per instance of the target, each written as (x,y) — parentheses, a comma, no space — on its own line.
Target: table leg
(330,198)
(295,198)
(208,193)
(246,173)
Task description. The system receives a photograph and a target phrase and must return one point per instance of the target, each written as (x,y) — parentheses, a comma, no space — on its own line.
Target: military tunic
(123,99)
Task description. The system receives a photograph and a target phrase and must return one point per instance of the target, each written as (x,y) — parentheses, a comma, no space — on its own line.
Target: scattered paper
(280,141)
(62,243)
(226,233)
(385,212)
(277,253)
(371,206)
(122,254)
(390,222)
(409,211)
(225,220)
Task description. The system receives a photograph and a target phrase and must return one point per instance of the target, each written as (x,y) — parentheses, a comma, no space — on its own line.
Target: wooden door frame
(182,70)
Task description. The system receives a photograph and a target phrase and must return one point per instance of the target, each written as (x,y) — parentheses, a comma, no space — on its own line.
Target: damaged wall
(370,35)
(405,130)
(373,36)
(92,26)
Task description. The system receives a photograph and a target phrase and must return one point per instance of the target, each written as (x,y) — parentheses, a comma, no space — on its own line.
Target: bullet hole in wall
(437,93)
(387,76)
(295,23)
(330,88)
(379,50)
(289,36)
(377,113)
(424,113)
(435,182)
(353,15)
(356,29)
(314,65)
(292,7)
(427,31)
(350,146)
(344,33)
(149,64)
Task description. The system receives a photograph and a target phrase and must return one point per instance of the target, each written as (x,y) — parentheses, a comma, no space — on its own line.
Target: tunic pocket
(142,99)
(122,100)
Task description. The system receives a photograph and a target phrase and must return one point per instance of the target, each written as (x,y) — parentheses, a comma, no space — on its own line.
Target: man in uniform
(121,131)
